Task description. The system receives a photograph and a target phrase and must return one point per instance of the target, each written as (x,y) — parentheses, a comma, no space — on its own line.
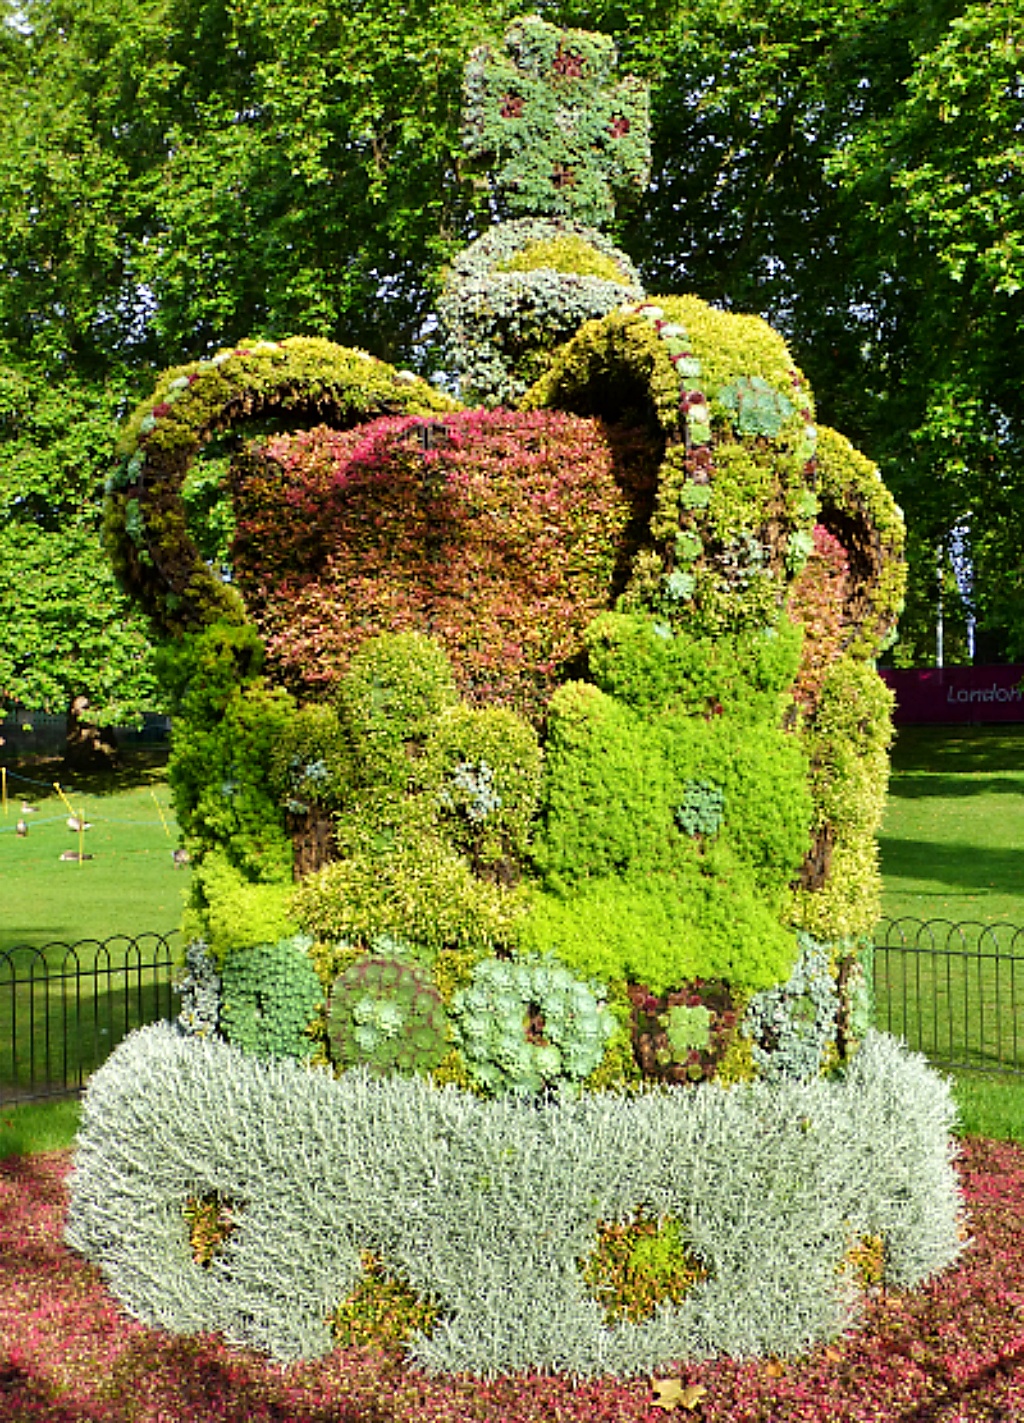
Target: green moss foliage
(146,524)
(270,995)
(488,1208)
(661,929)
(381,1309)
(653,669)
(628,889)
(568,252)
(484,765)
(218,778)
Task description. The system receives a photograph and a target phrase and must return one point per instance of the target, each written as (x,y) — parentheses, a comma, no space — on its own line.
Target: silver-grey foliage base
(488,1206)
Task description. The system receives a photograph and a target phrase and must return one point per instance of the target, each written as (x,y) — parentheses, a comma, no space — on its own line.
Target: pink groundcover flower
(952,1352)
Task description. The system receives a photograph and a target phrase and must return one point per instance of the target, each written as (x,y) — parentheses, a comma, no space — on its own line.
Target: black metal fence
(64,1007)
(953,991)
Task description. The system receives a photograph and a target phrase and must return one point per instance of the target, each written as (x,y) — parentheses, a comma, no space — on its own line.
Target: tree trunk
(88,747)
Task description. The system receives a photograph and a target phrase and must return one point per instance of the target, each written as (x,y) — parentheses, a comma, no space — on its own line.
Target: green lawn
(130,886)
(953,849)
(953,837)
(61,1026)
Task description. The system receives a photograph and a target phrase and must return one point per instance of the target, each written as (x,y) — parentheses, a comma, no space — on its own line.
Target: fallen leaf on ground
(673,1393)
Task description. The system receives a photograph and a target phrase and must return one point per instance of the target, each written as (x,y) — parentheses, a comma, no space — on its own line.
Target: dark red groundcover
(952,1352)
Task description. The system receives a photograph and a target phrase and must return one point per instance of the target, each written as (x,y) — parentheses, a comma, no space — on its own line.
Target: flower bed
(948,1353)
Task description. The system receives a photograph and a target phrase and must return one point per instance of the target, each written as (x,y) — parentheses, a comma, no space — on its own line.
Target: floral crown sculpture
(533,751)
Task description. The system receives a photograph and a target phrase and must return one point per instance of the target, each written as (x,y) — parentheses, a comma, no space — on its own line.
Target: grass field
(130,886)
(953,849)
(953,837)
(64,1023)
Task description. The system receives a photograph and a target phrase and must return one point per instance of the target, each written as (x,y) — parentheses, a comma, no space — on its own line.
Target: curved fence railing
(63,1007)
(953,991)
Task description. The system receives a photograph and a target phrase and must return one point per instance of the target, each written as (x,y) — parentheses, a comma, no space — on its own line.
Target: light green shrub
(426,893)
(654,668)
(662,930)
(848,739)
(484,765)
(492,1208)
(232,912)
(311,759)
(392,691)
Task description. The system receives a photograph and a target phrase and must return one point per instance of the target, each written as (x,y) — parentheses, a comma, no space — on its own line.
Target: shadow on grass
(140,766)
(959,750)
(964,866)
(915,786)
(55,1031)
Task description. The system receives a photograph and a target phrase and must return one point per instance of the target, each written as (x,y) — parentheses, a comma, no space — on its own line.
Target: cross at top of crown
(559,136)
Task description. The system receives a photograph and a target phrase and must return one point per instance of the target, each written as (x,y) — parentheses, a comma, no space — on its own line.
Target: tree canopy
(66,628)
(176,176)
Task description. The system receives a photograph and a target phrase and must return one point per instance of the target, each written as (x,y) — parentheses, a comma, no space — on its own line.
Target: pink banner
(957,694)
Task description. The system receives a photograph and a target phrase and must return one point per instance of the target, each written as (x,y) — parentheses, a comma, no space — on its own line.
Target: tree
(69,638)
(940,182)
(176,176)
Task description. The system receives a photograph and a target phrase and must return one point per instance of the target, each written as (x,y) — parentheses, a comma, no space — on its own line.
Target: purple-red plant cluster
(952,1352)
(817,602)
(502,534)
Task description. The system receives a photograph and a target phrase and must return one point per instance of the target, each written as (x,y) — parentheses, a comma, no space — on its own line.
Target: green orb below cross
(557,134)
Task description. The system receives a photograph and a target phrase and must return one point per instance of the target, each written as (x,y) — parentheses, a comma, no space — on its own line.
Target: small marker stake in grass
(79,821)
(160,812)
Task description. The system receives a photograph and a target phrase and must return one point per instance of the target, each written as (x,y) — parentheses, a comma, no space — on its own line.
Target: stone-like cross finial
(559,137)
